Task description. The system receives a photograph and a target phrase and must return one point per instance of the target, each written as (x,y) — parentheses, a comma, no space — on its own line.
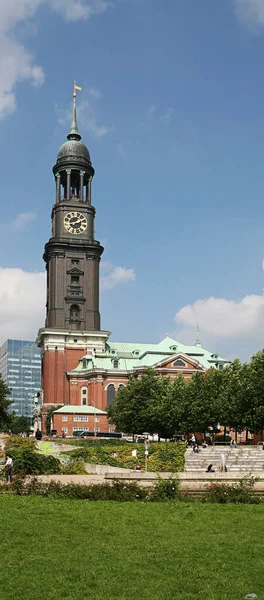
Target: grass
(46,447)
(67,549)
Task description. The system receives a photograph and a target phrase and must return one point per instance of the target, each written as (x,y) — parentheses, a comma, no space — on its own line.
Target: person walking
(193,440)
(8,469)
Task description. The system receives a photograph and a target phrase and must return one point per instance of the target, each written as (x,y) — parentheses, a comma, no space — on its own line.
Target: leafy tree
(5,403)
(20,424)
(255,393)
(140,406)
(234,407)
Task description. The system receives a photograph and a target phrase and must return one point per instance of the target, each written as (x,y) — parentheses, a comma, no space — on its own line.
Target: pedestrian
(8,469)
(38,435)
(138,467)
(223,463)
(210,468)
(196,449)
(204,444)
(193,440)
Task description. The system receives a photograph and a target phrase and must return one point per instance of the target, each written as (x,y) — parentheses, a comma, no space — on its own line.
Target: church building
(82,369)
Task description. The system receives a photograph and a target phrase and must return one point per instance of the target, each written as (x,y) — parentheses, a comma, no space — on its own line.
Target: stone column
(68,192)
(89,188)
(82,173)
(58,191)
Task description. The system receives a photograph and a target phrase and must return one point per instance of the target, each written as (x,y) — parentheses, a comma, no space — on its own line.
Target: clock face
(75,222)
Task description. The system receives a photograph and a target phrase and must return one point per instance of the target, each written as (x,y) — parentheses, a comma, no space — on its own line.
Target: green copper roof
(132,356)
(74,132)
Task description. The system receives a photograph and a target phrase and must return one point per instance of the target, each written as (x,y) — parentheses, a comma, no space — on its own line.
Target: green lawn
(70,549)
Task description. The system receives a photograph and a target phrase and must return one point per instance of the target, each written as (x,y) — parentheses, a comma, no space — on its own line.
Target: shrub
(30,462)
(74,467)
(166,489)
(241,492)
(16,441)
(162,456)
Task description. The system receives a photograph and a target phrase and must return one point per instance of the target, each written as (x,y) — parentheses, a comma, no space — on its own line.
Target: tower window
(75,279)
(74,313)
(75,261)
(115,364)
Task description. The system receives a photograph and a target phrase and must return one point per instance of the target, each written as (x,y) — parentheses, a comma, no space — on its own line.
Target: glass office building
(20,366)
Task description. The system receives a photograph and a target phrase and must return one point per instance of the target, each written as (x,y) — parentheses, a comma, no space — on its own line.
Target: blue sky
(172,111)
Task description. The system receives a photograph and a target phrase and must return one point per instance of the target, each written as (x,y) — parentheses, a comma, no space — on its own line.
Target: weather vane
(76,87)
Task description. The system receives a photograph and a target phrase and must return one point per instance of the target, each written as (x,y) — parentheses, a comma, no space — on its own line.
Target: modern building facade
(81,368)
(20,369)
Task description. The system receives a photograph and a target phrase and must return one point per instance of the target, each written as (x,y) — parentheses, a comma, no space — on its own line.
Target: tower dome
(73,149)
(73,170)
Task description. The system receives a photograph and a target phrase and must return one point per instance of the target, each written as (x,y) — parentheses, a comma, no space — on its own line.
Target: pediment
(180,362)
(75,271)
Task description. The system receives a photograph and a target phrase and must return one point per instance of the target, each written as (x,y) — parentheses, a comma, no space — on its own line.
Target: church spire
(74,132)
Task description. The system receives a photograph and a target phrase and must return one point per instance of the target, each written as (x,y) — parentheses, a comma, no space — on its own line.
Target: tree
(19,424)
(255,393)
(5,403)
(141,405)
(234,400)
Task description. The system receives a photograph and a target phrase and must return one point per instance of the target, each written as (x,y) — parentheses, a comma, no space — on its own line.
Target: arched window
(121,386)
(84,395)
(74,313)
(110,394)
(179,363)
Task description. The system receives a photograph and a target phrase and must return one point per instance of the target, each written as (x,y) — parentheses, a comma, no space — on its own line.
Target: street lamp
(146,434)
(94,417)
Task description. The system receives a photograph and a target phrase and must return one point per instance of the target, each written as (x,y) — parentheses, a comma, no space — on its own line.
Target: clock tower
(72,258)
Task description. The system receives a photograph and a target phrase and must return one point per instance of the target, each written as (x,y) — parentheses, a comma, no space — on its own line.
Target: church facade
(82,370)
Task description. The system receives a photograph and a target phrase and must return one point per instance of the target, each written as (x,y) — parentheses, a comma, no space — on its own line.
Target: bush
(162,456)
(241,492)
(16,441)
(74,467)
(166,489)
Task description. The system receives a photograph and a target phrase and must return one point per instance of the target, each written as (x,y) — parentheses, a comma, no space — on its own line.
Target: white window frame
(64,418)
(84,394)
(80,418)
(80,429)
(65,429)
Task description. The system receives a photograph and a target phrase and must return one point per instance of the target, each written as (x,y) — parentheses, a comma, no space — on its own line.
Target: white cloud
(16,62)
(151,116)
(22,220)
(87,118)
(115,275)
(94,92)
(168,115)
(234,327)
(120,149)
(23,298)
(22,304)
(73,10)
(224,318)
(250,12)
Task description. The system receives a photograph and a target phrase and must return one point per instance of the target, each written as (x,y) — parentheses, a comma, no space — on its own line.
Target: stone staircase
(244,459)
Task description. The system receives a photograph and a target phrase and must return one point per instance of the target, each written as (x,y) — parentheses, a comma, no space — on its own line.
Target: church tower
(72,258)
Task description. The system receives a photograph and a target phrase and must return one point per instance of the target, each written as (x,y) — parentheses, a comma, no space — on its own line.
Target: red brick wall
(58,423)
(56,363)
